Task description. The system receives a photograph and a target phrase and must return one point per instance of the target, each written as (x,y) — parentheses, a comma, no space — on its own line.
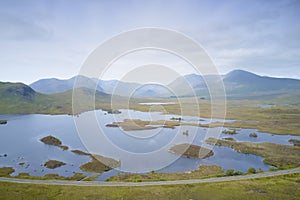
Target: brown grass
(191,151)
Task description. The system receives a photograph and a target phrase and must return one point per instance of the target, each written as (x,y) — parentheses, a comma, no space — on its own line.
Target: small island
(3,121)
(253,135)
(176,118)
(50,140)
(98,163)
(79,152)
(136,124)
(295,142)
(191,151)
(114,124)
(132,125)
(230,131)
(229,138)
(112,111)
(52,164)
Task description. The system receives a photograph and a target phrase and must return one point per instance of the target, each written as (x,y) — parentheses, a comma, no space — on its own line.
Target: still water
(20,140)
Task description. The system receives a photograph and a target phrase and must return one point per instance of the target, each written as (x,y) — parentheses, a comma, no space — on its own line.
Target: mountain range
(238,84)
(55,96)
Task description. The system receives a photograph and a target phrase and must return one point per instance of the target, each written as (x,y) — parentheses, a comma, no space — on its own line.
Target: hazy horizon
(142,82)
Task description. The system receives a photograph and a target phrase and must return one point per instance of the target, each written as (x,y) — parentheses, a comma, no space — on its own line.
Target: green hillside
(20,98)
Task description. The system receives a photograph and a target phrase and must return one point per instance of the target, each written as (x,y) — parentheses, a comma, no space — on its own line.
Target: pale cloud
(159,63)
(53,38)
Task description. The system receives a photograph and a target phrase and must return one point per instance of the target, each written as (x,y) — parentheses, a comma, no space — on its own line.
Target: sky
(43,39)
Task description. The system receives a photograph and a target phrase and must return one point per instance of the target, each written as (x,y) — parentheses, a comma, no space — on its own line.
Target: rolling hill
(22,99)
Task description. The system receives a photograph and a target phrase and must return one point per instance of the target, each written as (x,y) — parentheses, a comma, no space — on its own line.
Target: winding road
(118,184)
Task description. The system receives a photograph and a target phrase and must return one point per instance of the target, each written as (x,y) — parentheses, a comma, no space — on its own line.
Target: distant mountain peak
(239,72)
(237,83)
(240,75)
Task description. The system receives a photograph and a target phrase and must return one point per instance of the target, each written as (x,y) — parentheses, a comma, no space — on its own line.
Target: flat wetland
(263,137)
(278,119)
(255,139)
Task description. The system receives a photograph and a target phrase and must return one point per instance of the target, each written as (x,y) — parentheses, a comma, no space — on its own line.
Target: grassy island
(52,164)
(112,111)
(191,151)
(294,142)
(51,140)
(115,124)
(229,138)
(3,121)
(136,124)
(99,164)
(79,152)
(230,131)
(131,125)
(253,135)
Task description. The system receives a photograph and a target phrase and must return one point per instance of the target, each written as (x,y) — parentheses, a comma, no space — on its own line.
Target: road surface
(118,184)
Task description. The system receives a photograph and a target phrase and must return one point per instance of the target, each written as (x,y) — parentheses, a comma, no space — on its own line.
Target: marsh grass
(204,171)
(279,187)
(278,155)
